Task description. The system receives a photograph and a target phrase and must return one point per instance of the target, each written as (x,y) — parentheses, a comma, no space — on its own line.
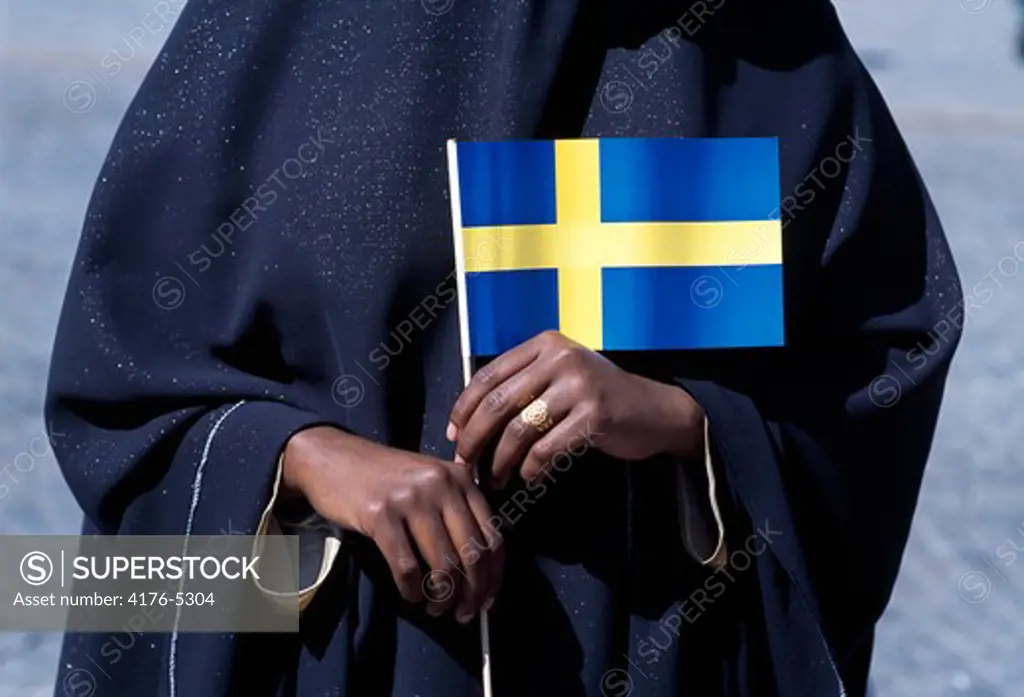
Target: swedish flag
(622,244)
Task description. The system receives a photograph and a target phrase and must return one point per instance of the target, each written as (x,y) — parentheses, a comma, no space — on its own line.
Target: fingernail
(433,611)
(452,433)
(488,604)
(459,460)
(464,617)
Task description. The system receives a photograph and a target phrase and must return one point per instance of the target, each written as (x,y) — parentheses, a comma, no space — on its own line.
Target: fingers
(494,555)
(470,546)
(441,586)
(487,378)
(479,549)
(498,407)
(438,511)
(563,443)
(393,542)
(518,436)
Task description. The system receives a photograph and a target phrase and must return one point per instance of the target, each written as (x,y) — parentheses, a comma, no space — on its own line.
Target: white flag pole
(467,371)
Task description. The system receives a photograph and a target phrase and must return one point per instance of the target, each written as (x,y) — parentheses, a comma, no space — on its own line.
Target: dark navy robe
(269,247)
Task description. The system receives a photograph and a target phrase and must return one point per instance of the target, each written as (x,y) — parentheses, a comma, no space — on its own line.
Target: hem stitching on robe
(197,485)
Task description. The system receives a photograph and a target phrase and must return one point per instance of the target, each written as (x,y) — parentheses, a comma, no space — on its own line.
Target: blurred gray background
(949,72)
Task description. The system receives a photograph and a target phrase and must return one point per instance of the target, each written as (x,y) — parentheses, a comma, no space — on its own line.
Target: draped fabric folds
(268,247)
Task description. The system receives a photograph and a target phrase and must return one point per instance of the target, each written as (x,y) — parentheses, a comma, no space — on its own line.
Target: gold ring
(536,415)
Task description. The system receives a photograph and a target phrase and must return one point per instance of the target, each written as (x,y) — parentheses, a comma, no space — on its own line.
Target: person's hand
(406,503)
(590,402)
